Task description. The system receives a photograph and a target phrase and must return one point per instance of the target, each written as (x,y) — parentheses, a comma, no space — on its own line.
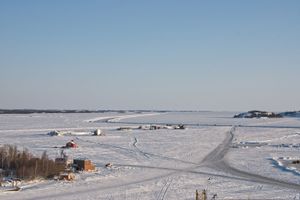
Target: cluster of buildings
(73,165)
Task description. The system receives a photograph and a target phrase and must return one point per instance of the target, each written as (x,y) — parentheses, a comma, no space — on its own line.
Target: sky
(215,55)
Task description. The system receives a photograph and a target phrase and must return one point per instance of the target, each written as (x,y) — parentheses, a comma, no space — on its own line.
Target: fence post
(204,195)
(35,169)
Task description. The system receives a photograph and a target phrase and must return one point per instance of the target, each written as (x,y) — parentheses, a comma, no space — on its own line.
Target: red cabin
(71,144)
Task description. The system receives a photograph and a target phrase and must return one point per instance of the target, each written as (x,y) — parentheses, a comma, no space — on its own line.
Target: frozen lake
(233,158)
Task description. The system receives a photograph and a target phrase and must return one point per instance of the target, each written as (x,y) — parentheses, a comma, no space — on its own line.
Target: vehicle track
(220,151)
(132,152)
(138,149)
(217,160)
(117,149)
(164,189)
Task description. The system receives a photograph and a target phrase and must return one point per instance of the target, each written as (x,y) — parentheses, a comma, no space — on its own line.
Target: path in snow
(140,151)
(216,160)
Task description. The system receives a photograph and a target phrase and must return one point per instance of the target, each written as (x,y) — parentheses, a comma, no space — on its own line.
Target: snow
(164,163)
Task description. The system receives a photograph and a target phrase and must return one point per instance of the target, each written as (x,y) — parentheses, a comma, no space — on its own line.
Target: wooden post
(47,167)
(23,171)
(35,169)
(204,195)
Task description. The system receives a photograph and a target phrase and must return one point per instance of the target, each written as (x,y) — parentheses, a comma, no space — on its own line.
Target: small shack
(55,133)
(83,165)
(71,144)
(98,132)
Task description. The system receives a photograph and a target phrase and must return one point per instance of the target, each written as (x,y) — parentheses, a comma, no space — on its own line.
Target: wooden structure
(63,160)
(83,165)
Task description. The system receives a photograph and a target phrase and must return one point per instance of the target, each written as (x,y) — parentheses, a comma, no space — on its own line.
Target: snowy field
(232,158)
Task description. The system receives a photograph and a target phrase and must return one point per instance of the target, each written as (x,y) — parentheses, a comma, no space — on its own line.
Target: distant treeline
(31,111)
(23,165)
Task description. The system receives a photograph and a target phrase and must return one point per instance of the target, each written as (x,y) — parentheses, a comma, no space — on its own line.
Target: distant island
(291,114)
(265,114)
(258,114)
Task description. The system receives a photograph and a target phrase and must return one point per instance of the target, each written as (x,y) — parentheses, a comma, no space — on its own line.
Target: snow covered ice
(164,163)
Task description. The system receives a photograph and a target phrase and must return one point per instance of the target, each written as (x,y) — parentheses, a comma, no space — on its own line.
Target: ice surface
(159,164)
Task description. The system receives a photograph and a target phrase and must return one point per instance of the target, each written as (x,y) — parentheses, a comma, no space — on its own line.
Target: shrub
(22,164)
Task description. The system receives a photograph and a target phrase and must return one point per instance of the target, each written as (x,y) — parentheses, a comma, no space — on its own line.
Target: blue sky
(184,55)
